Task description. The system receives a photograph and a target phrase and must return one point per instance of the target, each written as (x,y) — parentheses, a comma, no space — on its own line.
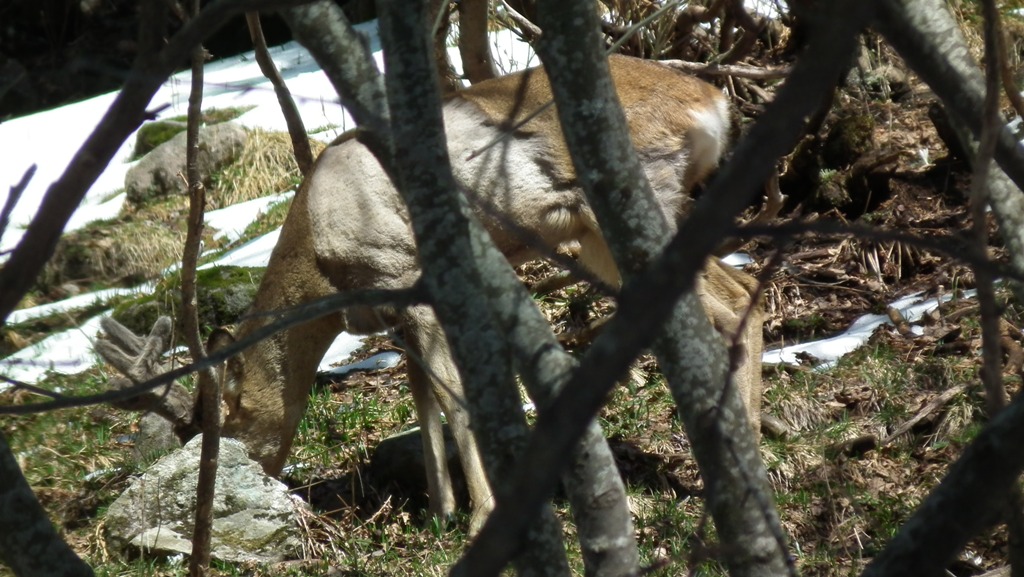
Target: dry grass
(148,239)
(266,166)
(111,254)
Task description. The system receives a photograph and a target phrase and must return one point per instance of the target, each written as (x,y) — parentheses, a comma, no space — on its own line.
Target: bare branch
(30,545)
(287,318)
(346,60)
(14,196)
(450,272)
(209,387)
(530,30)
(737,70)
(474,44)
(644,304)
(296,129)
(991,374)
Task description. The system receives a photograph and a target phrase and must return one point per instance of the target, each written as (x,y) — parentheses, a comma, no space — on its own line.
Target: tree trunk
(474,44)
(443,235)
(690,352)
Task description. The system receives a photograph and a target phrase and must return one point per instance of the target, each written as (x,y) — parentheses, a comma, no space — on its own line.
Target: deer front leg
(726,295)
(428,413)
(438,379)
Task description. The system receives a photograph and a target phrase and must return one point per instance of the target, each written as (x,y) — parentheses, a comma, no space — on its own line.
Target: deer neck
(273,378)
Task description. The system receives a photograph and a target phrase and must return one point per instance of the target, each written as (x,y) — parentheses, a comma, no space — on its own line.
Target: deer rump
(349,229)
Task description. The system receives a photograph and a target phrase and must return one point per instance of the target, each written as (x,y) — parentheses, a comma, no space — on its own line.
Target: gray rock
(398,462)
(155,438)
(156,174)
(255,517)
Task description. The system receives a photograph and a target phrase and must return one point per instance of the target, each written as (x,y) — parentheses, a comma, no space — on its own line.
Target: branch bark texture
(690,352)
(474,44)
(209,389)
(441,225)
(346,59)
(296,130)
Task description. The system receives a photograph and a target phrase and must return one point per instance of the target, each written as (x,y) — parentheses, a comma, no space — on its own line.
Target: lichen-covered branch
(441,225)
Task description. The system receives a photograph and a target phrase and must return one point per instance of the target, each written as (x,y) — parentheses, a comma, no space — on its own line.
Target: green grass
(839,509)
(272,218)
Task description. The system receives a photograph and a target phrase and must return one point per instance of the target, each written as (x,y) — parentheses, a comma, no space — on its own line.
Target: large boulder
(255,518)
(223,293)
(156,175)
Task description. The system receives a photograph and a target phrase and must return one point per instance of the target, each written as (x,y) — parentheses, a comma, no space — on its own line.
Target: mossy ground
(839,506)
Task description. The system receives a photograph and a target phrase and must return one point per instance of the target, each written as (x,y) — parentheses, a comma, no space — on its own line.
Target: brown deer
(348,229)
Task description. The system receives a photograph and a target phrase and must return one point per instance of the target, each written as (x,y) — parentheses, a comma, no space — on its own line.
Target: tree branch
(209,387)
(443,234)
(287,318)
(474,43)
(345,58)
(296,130)
(29,545)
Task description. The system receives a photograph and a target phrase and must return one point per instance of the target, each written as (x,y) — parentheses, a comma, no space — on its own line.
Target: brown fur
(347,229)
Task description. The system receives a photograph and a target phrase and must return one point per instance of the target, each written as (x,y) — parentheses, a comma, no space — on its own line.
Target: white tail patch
(707,138)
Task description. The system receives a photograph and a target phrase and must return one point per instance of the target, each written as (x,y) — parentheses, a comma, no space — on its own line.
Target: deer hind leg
(726,295)
(596,257)
(428,413)
(435,383)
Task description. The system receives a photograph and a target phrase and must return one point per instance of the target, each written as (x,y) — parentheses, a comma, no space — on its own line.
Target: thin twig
(288,318)
(991,375)
(30,388)
(951,245)
(991,350)
(209,390)
(737,70)
(530,30)
(15,195)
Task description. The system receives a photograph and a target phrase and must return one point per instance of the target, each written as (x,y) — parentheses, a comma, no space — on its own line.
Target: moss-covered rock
(153,134)
(850,138)
(224,294)
(159,173)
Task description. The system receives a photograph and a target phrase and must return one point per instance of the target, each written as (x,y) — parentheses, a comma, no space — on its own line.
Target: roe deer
(348,229)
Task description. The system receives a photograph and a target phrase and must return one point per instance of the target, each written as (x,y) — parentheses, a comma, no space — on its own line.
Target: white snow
(384,360)
(51,138)
(830,350)
(232,221)
(69,353)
